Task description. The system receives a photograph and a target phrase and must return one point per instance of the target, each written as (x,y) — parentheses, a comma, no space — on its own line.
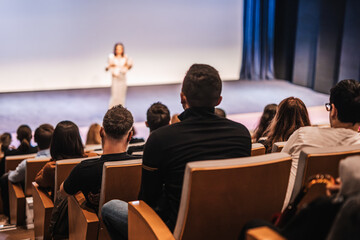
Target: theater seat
(257,149)
(16,193)
(314,161)
(120,180)
(11,162)
(43,203)
(278,146)
(263,233)
(218,198)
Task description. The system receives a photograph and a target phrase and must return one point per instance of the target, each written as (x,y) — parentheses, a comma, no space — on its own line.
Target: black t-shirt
(87,175)
(201,135)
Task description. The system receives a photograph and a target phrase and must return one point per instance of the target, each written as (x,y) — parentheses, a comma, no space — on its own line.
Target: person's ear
(146,124)
(184,101)
(333,112)
(130,136)
(219,101)
(102,132)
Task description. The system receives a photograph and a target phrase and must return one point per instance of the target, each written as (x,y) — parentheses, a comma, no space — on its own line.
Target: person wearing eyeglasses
(344,116)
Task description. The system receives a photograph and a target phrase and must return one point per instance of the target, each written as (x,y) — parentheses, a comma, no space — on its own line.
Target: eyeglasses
(328,107)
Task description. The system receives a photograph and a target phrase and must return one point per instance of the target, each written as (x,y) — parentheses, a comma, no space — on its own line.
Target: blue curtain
(258,47)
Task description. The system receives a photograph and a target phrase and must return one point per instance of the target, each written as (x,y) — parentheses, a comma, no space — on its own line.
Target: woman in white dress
(119,64)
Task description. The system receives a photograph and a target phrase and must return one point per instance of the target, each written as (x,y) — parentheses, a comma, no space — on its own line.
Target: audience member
(42,137)
(291,115)
(200,135)
(93,136)
(158,115)
(265,120)
(65,144)
(220,112)
(5,141)
(316,219)
(344,115)
(86,176)
(24,135)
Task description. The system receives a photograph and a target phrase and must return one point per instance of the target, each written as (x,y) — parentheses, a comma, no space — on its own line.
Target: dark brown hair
(24,135)
(157,115)
(202,86)
(265,120)
(66,142)
(117,122)
(43,135)
(290,116)
(346,97)
(119,44)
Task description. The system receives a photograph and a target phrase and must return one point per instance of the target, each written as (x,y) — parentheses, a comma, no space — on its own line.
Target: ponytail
(24,145)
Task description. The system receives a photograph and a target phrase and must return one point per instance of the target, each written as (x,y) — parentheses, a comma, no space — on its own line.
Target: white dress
(118,73)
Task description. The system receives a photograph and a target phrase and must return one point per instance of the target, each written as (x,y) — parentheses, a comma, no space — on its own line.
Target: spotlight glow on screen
(65,44)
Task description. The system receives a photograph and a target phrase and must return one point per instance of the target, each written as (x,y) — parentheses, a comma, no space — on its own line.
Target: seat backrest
(257,149)
(120,180)
(11,162)
(220,196)
(33,166)
(278,146)
(320,161)
(63,169)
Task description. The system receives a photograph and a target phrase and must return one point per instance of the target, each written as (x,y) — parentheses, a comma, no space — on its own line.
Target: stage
(243,101)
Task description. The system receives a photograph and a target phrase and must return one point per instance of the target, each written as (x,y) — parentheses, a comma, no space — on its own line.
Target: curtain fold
(258,46)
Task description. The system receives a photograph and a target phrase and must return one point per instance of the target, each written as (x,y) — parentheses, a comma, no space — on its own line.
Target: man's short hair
(117,122)
(157,115)
(346,97)
(43,135)
(202,86)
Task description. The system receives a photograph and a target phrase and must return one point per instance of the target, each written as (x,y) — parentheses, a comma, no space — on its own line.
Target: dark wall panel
(350,52)
(329,44)
(285,34)
(306,42)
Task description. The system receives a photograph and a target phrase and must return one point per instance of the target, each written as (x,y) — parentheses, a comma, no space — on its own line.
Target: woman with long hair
(65,144)
(291,115)
(265,120)
(93,136)
(118,64)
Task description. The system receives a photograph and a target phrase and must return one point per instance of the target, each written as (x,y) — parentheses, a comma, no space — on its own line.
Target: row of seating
(220,196)
(240,189)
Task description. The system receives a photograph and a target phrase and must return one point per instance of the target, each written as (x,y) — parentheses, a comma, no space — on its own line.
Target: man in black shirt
(201,135)
(115,136)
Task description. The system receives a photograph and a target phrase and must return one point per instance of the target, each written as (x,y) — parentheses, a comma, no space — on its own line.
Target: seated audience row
(202,133)
(43,135)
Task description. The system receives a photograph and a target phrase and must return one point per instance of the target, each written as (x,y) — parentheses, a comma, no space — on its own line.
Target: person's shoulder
(89,162)
(111,55)
(235,125)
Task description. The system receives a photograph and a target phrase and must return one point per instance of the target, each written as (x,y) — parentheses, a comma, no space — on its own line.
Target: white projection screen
(64,44)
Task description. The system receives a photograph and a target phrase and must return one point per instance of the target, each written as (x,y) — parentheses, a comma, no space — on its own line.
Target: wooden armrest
(16,204)
(263,233)
(83,221)
(43,207)
(145,224)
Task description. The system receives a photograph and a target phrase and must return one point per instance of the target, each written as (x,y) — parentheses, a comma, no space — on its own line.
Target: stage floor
(243,101)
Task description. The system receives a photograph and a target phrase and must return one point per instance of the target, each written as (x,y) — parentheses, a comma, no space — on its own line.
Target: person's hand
(333,188)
